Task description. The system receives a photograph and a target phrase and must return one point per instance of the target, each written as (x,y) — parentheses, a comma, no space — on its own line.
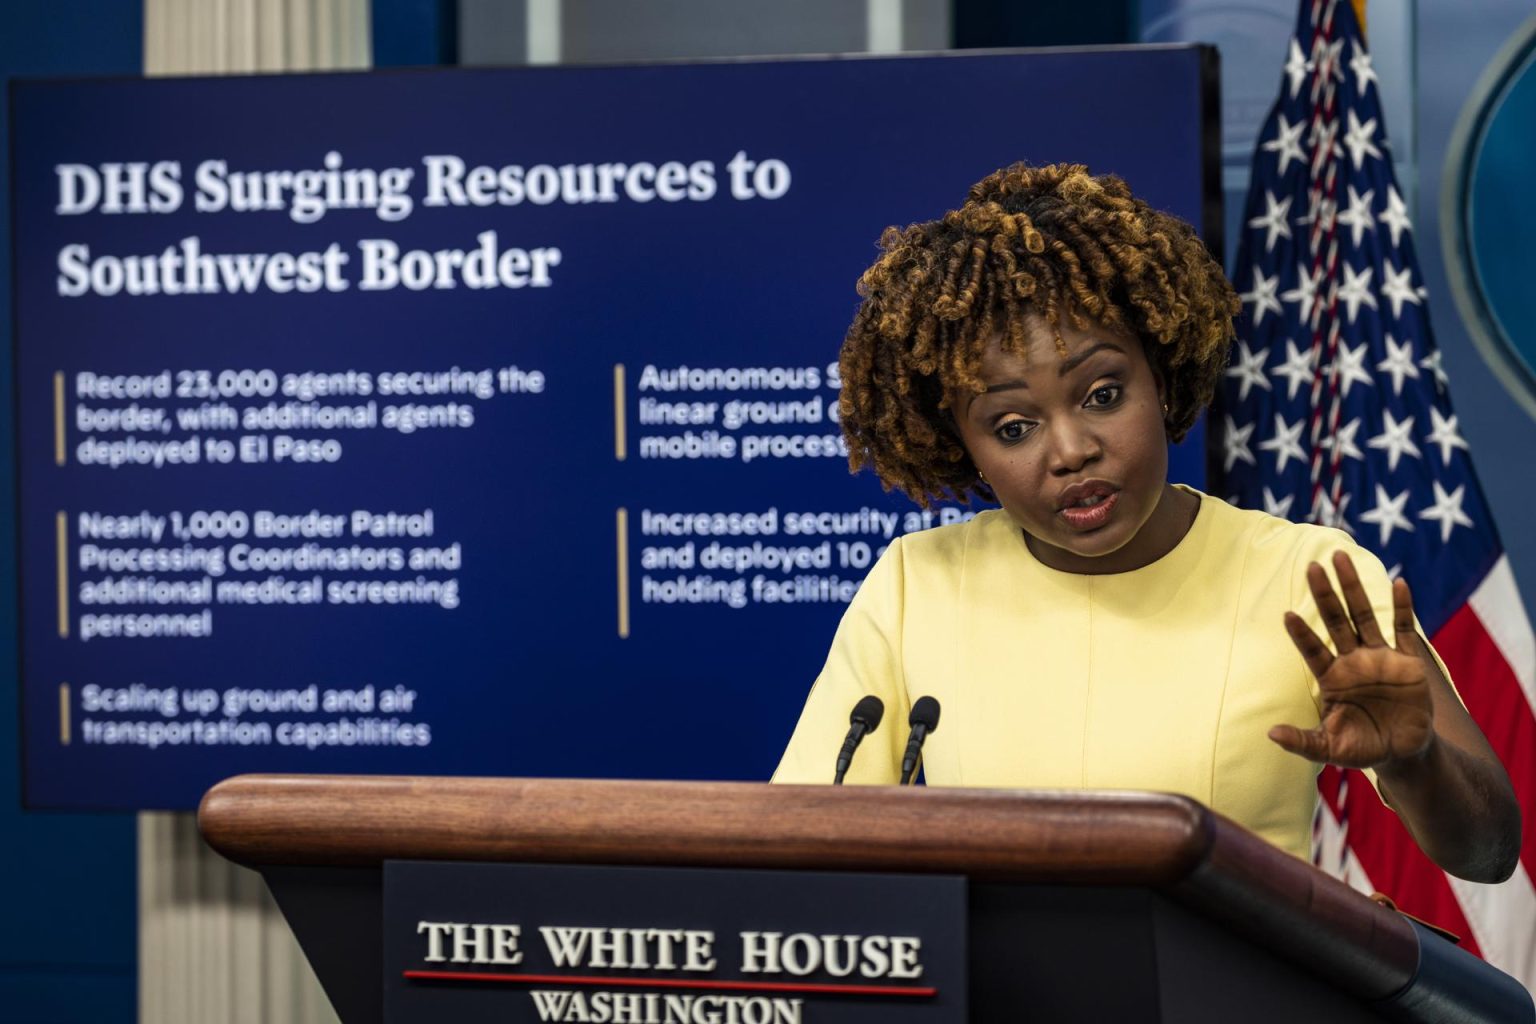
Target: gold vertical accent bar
(64,714)
(623,520)
(619,444)
(63,526)
(58,417)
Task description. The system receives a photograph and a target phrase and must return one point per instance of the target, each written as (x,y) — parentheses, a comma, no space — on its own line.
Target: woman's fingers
(1313,651)
(1360,612)
(1335,619)
(1402,617)
(1311,744)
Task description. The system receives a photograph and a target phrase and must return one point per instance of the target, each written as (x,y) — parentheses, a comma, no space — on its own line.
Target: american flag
(1337,411)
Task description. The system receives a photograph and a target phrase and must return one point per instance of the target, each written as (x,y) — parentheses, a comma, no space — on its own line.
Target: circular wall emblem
(1488,215)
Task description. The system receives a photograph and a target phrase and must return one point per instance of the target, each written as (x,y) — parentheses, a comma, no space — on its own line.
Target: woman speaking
(1039,347)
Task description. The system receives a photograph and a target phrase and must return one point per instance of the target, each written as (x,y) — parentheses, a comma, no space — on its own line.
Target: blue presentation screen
(481,422)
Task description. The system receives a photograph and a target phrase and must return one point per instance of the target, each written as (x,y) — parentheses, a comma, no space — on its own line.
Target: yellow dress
(1164,678)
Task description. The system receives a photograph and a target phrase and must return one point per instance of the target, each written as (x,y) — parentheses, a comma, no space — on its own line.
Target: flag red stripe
(1493,696)
(1395,864)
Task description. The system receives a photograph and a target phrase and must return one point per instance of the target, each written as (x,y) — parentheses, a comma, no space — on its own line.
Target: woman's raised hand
(1376,705)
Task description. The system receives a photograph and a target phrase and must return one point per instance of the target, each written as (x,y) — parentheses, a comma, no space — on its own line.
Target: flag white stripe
(1501,917)
(1497,604)
(1330,845)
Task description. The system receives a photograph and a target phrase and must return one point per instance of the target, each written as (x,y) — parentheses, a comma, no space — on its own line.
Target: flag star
(1388,513)
(1395,286)
(1263,295)
(1358,217)
(1305,292)
(1287,141)
(1395,216)
(1431,363)
(1350,367)
(1249,370)
(1447,510)
(1342,445)
(1399,363)
(1324,513)
(1278,506)
(1395,571)
(1235,438)
(1297,67)
(1443,432)
(1358,137)
(1360,64)
(1286,444)
(1395,438)
(1298,368)
(1356,289)
(1273,220)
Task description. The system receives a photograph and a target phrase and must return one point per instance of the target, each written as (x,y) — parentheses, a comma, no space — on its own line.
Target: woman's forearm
(1460,809)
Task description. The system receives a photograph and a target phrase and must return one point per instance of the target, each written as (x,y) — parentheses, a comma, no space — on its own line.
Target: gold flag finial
(1359,6)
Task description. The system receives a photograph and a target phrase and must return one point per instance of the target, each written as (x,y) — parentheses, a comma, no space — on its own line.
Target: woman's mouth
(1091,512)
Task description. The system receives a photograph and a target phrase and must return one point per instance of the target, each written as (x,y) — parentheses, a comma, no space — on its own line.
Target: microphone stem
(914,750)
(845,756)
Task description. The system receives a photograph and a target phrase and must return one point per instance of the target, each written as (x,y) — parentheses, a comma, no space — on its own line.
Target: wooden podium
(1081,906)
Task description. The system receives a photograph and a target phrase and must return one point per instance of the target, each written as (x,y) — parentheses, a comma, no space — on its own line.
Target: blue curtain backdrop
(67,953)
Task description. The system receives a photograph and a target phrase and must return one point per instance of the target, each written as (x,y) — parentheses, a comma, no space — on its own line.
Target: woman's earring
(981,476)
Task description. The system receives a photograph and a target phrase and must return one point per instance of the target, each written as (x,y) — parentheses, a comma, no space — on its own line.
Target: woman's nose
(1072,446)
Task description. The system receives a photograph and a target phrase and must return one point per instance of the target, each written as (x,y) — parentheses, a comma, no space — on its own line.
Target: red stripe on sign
(693,983)
(1396,866)
(1493,697)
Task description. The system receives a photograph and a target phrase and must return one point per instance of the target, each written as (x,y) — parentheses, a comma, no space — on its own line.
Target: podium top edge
(341,820)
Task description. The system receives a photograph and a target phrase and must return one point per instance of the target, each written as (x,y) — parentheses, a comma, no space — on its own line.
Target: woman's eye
(1013,430)
(1104,396)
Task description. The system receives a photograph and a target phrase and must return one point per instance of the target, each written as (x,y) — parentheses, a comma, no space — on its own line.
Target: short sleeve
(865,658)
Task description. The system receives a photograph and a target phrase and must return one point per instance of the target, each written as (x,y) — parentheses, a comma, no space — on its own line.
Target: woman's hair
(1029,241)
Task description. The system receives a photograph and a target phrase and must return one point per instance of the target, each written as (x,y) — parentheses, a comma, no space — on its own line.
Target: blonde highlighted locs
(1029,241)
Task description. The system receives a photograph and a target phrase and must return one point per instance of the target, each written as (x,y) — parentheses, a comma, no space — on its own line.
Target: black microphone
(924,720)
(865,717)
